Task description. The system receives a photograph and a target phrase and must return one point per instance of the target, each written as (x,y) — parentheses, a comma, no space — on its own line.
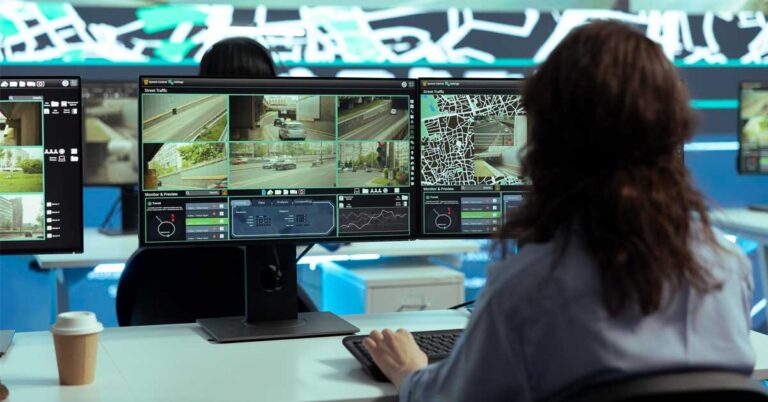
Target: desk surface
(742,221)
(176,363)
(102,249)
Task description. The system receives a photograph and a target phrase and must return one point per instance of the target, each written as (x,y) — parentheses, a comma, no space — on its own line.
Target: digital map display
(472,139)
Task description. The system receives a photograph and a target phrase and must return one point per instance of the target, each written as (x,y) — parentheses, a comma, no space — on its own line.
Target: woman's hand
(396,353)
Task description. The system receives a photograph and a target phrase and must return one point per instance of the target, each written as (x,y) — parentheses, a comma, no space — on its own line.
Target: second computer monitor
(753,128)
(288,159)
(471,134)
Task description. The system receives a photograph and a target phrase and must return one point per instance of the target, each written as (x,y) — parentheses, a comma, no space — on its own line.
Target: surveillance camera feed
(472,132)
(753,132)
(40,165)
(276,159)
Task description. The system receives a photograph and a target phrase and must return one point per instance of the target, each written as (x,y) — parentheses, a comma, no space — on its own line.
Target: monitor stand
(759,208)
(271,303)
(129,204)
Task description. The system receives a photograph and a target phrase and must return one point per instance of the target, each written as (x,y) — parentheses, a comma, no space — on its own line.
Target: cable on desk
(465,304)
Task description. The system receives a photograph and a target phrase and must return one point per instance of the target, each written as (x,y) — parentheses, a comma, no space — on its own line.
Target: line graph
(364,220)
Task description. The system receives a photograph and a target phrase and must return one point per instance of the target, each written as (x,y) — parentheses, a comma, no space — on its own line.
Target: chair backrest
(180,285)
(680,386)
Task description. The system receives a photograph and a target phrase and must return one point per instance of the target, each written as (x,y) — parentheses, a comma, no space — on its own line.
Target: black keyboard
(436,344)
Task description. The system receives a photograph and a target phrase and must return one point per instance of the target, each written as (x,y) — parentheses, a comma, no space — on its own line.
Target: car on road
(239,161)
(284,164)
(219,184)
(317,162)
(269,164)
(293,131)
(393,111)
(368,169)
(279,122)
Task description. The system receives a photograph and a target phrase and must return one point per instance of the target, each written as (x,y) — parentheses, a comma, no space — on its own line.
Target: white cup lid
(76,323)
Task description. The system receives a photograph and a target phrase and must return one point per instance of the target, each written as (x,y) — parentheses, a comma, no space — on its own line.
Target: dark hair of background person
(239,58)
(608,117)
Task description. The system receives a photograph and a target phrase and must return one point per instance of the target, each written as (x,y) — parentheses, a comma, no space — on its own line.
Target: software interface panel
(471,135)
(41,198)
(239,160)
(753,127)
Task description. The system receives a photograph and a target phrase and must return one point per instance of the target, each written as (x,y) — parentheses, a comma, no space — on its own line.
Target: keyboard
(437,345)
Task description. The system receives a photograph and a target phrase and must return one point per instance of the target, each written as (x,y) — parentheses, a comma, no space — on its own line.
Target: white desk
(752,225)
(176,363)
(102,249)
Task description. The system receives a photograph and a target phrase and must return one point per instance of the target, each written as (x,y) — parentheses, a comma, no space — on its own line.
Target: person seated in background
(619,272)
(244,58)
(237,58)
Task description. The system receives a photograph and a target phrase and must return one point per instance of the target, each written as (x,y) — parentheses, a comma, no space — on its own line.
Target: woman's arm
(486,363)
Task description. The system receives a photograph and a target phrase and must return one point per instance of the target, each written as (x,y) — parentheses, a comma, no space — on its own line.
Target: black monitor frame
(21,247)
(517,82)
(414,188)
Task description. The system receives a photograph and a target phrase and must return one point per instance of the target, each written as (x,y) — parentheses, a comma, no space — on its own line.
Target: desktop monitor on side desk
(753,131)
(471,134)
(111,145)
(271,163)
(41,189)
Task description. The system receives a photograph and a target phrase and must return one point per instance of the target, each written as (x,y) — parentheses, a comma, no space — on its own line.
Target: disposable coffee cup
(76,338)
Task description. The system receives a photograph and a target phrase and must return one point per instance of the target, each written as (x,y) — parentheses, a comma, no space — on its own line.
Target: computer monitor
(753,131)
(111,145)
(41,148)
(259,162)
(471,133)
(753,128)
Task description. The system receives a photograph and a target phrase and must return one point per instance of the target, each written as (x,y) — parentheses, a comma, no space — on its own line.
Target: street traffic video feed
(184,117)
(378,118)
(283,118)
(283,165)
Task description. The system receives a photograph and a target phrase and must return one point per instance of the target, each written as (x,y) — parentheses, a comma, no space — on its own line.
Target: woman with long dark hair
(619,271)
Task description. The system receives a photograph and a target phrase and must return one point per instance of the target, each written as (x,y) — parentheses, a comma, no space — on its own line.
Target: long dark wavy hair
(608,117)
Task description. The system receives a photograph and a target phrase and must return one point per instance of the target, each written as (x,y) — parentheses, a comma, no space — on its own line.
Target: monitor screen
(471,133)
(282,159)
(111,131)
(41,195)
(753,127)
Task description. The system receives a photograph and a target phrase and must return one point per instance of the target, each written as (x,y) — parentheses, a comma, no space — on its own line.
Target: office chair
(678,386)
(180,285)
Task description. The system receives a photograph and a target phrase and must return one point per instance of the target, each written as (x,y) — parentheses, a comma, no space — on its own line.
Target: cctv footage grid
(471,133)
(40,165)
(753,127)
(262,159)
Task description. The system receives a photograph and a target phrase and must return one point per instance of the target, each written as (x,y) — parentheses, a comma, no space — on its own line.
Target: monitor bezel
(33,249)
(298,241)
(740,126)
(520,81)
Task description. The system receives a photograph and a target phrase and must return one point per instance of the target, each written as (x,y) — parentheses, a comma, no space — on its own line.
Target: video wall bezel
(415,204)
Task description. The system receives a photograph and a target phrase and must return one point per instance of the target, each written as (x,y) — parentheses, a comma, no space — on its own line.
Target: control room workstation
(233,224)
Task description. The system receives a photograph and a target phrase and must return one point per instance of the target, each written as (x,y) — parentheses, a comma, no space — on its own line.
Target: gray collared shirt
(537,330)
